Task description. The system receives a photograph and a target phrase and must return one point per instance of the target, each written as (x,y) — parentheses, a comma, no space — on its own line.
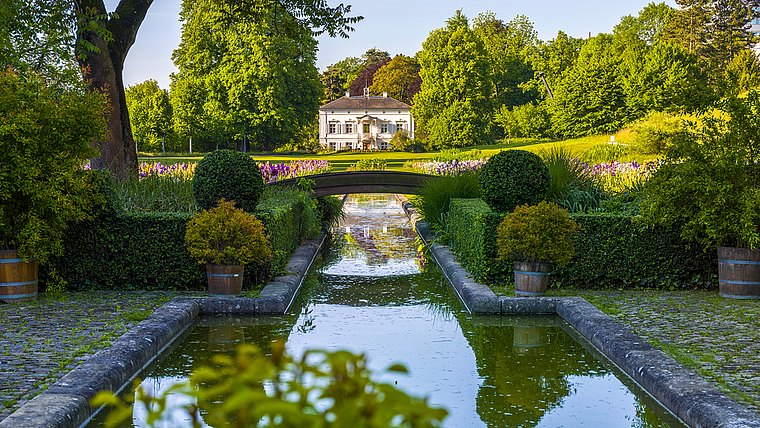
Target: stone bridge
(341,183)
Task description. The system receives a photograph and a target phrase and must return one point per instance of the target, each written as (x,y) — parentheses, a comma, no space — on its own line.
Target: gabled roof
(359,103)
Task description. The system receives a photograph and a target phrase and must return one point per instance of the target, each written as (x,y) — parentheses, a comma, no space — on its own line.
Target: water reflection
(368,295)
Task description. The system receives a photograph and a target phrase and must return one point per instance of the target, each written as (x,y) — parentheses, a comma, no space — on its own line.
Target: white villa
(363,123)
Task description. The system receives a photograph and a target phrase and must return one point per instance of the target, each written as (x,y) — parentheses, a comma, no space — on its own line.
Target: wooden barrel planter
(18,278)
(224,281)
(739,273)
(531,279)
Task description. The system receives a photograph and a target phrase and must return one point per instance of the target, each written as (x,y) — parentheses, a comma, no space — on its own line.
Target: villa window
(349,146)
(383,145)
(332,146)
(399,127)
(331,128)
(349,128)
(365,128)
(384,128)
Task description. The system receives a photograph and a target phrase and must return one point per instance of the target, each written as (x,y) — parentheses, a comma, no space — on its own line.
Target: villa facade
(363,123)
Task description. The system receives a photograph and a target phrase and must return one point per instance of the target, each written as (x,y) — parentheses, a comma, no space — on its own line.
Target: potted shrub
(536,237)
(45,137)
(708,184)
(226,238)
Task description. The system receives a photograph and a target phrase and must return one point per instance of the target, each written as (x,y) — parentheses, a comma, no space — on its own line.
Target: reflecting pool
(369,294)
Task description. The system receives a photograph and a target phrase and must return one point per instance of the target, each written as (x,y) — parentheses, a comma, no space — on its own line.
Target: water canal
(370,295)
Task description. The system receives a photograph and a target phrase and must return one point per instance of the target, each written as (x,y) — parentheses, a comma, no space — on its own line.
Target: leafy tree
(397,78)
(261,88)
(742,73)
(36,36)
(149,115)
(373,56)
(186,98)
(453,107)
(689,26)
(589,99)
(554,58)
(508,46)
(665,78)
(366,76)
(647,28)
(530,120)
(333,83)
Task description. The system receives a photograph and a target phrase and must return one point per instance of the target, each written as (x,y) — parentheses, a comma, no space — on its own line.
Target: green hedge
(610,251)
(147,251)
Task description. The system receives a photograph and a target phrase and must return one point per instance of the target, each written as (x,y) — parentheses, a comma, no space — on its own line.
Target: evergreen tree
(453,107)
(689,26)
(731,22)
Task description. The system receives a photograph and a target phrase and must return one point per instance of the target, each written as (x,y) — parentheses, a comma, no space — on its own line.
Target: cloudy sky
(396,26)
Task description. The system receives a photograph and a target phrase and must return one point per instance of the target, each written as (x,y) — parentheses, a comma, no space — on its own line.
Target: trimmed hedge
(147,251)
(610,251)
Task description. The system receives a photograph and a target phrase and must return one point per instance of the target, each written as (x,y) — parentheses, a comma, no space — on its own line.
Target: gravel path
(719,338)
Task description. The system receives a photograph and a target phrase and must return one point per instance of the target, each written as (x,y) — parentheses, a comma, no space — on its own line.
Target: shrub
(529,120)
(45,137)
(373,164)
(606,152)
(227,174)
(652,134)
(225,235)
(513,177)
(437,192)
(540,233)
(402,143)
(451,155)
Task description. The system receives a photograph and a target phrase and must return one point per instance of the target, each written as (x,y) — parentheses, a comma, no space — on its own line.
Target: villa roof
(359,103)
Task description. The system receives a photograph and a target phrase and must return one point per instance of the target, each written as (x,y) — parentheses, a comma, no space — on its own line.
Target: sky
(395,26)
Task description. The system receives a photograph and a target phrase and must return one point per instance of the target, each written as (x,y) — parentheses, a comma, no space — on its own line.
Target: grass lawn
(395,160)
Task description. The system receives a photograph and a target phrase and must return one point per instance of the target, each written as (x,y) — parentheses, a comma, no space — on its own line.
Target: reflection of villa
(363,123)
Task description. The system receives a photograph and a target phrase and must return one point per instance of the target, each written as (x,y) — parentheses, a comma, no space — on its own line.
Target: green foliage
(369,164)
(156,193)
(45,137)
(514,177)
(610,251)
(589,99)
(606,152)
(528,120)
(227,174)
(396,77)
(653,133)
(742,73)
(646,28)
(458,155)
(453,107)
(553,58)
(330,209)
(540,233)
(436,193)
(150,117)
(708,182)
(402,142)
(147,251)
(249,81)
(571,186)
(225,235)
(322,388)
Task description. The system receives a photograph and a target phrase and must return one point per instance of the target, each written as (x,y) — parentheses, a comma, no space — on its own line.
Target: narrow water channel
(370,295)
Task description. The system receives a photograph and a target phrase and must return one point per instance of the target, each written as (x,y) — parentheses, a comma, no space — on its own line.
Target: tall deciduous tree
(261,87)
(741,74)
(554,58)
(150,115)
(397,78)
(104,60)
(366,76)
(453,107)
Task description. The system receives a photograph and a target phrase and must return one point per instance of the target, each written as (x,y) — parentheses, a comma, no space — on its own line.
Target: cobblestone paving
(718,338)
(43,340)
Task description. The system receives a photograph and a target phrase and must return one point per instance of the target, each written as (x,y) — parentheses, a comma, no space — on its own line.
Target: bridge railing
(341,183)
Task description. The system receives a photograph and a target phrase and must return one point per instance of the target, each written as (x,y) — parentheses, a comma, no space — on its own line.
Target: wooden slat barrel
(531,279)
(18,278)
(224,281)
(739,273)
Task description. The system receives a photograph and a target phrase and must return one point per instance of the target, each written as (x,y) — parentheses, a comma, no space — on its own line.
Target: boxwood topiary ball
(227,174)
(514,177)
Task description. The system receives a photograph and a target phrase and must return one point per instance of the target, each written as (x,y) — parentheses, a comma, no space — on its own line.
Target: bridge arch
(341,183)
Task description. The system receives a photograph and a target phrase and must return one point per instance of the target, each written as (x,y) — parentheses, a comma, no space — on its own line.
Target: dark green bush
(227,174)
(513,177)
(146,251)
(610,251)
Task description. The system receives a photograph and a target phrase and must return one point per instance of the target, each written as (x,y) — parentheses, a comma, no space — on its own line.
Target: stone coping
(66,403)
(695,401)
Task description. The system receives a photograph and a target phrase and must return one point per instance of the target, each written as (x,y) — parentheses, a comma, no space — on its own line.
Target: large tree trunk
(102,71)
